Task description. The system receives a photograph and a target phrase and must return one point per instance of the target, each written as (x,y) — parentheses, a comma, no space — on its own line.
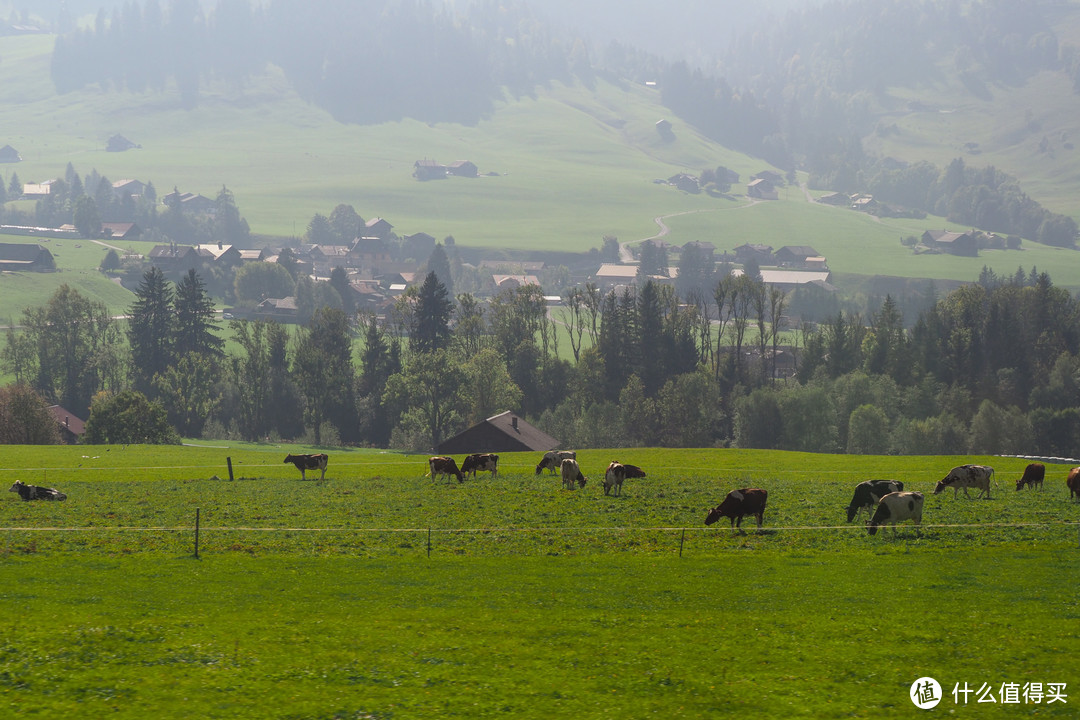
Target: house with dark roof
(762,189)
(377,227)
(418,245)
(761,254)
(121,231)
(71,427)
(119,143)
(26,258)
(953,243)
(174,258)
(280,309)
(9,154)
(505,432)
(463,168)
(795,255)
(429,170)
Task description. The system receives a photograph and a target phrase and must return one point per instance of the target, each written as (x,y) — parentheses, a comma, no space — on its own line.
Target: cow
(1034,474)
(896,507)
(571,473)
(1073,483)
(309,462)
(444,467)
(967,476)
(613,477)
(34,492)
(552,460)
(480,461)
(867,493)
(747,501)
(633,471)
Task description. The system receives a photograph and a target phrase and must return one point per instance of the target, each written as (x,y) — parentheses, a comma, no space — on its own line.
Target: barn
(505,432)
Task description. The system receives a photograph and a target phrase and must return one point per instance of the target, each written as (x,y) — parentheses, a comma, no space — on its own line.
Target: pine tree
(430,329)
(195,323)
(151,329)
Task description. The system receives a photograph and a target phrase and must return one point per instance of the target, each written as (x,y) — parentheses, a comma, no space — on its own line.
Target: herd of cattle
(885,501)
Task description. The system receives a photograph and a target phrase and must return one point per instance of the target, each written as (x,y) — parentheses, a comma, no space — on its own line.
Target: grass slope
(557,604)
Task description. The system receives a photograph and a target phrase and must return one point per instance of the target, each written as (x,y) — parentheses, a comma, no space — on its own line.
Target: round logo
(925,693)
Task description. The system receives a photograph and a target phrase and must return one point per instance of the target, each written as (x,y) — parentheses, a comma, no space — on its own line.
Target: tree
(86,218)
(228,225)
(469,328)
(868,431)
(110,262)
(609,249)
(429,329)
(186,392)
(323,369)
(379,360)
(489,388)
(151,329)
(428,397)
(439,263)
(320,231)
(345,223)
(127,418)
(339,281)
(250,371)
(24,418)
(195,323)
(257,281)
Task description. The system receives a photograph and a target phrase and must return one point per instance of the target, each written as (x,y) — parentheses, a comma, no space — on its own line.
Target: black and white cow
(967,476)
(747,501)
(483,462)
(34,492)
(315,461)
(552,460)
(867,494)
(613,478)
(444,467)
(571,473)
(1034,474)
(896,507)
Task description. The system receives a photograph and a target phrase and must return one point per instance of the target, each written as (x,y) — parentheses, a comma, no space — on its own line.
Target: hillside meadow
(379,593)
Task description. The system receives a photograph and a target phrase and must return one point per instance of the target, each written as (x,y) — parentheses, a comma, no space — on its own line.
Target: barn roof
(505,432)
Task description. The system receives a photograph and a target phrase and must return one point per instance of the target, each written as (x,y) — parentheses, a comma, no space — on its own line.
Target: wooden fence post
(229,461)
(681,540)
(429,542)
(196,533)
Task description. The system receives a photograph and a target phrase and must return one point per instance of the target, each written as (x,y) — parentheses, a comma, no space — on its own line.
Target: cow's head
(714,515)
(1020,484)
(541,466)
(941,486)
(15,488)
(851,512)
(871,528)
(581,481)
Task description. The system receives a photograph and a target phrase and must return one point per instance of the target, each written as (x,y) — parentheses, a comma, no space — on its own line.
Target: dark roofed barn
(26,257)
(505,432)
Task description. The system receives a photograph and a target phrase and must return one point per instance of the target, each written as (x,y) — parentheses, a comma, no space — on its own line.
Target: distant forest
(800,94)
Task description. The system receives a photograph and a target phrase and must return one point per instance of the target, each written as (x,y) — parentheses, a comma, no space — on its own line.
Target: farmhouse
(429,170)
(121,231)
(951,242)
(37,191)
(418,245)
(279,309)
(505,432)
(790,279)
(761,254)
(128,187)
(118,143)
(174,258)
(9,154)
(377,227)
(71,427)
(796,255)
(25,257)
(189,202)
(463,168)
(503,282)
(612,274)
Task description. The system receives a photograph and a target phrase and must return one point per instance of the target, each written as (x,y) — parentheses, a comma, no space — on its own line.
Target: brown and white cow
(34,492)
(484,462)
(552,460)
(613,477)
(747,501)
(315,461)
(1073,483)
(1034,474)
(571,473)
(967,476)
(633,471)
(444,467)
(896,507)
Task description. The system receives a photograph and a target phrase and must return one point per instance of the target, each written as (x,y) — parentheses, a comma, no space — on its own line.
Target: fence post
(229,461)
(196,533)
(681,539)
(429,542)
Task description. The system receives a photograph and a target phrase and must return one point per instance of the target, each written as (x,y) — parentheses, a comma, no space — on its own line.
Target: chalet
(377,227)
(706,249)
(71,427)
(611,275)
(189,202)
(761,254)
(9,154)
(762,189)
(505,432)
(259,255)
(325,258)
(504,282)
(835,199)
(279,309)
(121,231)
(128,187)
(37,191)
(119,143)
(775,179)
(370,253)
(864,203)
(514,267)
(429,170)
(785,279)
(795,255)
(953,243)
(685,182)
(174,258)
(463,168)
(25,257)
(664,129)
(219,254)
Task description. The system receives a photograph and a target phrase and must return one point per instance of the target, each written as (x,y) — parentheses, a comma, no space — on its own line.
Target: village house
(9,154)
(762,189)
(788,280)
(429,170)
(463,168)
(418,245)
(277,309)
(135,188)
(795,255)
(121,231)
(189,202)
(761,254)
(505,432)
(173,258)
(26,257)
(370,253)
(953,243)
(71,427)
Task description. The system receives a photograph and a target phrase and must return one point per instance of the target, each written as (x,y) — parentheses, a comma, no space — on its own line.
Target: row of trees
(992,365)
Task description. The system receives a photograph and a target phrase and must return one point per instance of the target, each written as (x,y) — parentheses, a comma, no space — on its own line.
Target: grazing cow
(747,501)
(613,478)
(897,507)
(571,473)
(309,462)
(444,467)
(34,492)
(1034,474)
(968,476)
(867,493)
(552,460)
(633,471)
(1073,483)
(480,461)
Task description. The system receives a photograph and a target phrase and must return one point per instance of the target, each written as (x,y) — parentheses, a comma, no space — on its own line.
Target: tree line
(991,367)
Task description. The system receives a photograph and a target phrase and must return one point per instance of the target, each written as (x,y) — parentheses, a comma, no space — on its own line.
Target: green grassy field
(326,600)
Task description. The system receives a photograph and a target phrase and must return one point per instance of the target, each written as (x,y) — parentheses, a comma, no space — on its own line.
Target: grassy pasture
(319,599)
